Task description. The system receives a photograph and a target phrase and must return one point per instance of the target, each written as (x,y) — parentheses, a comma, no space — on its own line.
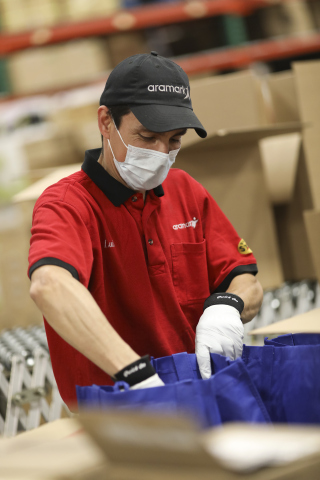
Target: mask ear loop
(115,126)
(111,149)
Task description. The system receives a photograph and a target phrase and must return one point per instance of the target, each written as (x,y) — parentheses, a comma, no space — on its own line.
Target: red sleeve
(59,236)
(226,256)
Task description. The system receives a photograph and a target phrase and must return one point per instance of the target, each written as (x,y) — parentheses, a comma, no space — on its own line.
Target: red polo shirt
(149,266)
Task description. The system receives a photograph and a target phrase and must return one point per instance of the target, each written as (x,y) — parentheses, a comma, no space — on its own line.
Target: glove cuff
(136,372)
(224,299)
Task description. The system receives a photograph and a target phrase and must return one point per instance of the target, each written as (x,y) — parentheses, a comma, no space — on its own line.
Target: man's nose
(163,147)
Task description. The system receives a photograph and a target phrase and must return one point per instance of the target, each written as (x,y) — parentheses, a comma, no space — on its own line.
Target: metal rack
(128,20)
(292,298)
(28,391)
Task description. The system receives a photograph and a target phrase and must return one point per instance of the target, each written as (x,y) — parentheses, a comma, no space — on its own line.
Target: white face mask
(144,169)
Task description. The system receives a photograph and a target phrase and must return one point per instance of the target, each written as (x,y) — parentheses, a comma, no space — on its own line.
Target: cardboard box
(55,67)
(284,102)
(82,9)
(307,77)
(123,45)
(288,18)
(27,198)
(314,6)
(243,101)
(141,446)
(308,322)
(16,306)
(312,222)
(235,114)
(20,15)
(280,156)
(80,123)
(292,237)
(311,143)
(232,173)
(57,450)
(228,102)
(52,148)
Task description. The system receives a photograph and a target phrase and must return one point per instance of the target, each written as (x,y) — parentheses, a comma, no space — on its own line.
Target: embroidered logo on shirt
(192,223)
(243,248)
(109,245)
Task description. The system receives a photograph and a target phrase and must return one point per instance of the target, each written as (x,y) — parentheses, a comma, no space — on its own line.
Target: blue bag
(288,381)
(292,339)
(228,396)
(184,366)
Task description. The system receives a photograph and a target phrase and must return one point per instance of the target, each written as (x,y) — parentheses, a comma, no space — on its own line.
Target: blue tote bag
(176,367)
(228,396)
(288,381)
(293,339)
(184,366)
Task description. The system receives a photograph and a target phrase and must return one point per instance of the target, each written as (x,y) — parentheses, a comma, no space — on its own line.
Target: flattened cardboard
(133,437)
(34,191)
(284,98)
(280,157)
(312,222)
(143,446)
(241,135)
(305,323)
(311,144)
(60,449)
(293,242)
(307,78)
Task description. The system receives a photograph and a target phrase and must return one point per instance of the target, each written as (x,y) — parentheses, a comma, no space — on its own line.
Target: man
(125,255)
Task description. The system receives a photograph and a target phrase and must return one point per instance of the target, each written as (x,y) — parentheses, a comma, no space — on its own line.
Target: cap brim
(164,118)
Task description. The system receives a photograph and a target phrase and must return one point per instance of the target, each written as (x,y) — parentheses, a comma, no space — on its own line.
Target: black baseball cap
(157,91)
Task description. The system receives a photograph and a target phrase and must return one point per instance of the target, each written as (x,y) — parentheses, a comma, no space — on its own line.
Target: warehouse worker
(130,258)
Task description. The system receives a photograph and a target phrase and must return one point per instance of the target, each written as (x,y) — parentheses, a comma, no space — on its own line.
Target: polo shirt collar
(116,192)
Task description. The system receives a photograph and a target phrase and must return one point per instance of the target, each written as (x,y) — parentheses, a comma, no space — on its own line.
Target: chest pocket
(190,271)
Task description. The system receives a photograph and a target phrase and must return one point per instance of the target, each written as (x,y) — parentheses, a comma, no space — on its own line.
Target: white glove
(154,381)
(220,330)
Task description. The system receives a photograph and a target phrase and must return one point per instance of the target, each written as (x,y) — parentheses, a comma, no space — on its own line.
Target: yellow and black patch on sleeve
(243,248)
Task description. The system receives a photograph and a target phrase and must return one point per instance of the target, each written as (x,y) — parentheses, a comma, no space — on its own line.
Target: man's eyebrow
(145,130)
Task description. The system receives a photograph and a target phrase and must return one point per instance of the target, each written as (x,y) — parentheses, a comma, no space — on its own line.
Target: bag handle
(121,387)
(183,366)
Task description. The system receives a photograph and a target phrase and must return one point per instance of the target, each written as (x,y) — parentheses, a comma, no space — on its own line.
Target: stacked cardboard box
(20,15)
(56,67)
(238,110)
(288,18)
(82,9)
(307,75)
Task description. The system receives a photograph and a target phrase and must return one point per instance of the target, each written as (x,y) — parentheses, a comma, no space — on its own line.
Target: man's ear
(104,121)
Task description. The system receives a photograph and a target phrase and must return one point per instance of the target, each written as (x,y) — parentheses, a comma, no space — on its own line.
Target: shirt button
(150,241)
(134,199)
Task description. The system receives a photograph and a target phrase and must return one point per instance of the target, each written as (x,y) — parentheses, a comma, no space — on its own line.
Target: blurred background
(254,67)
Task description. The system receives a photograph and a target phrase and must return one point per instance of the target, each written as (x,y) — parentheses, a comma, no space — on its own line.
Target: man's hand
(220,330)
(139,374)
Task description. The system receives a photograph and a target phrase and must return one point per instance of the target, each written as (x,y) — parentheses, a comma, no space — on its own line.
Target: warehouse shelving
(239,57)
(219,60)
(128,20)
